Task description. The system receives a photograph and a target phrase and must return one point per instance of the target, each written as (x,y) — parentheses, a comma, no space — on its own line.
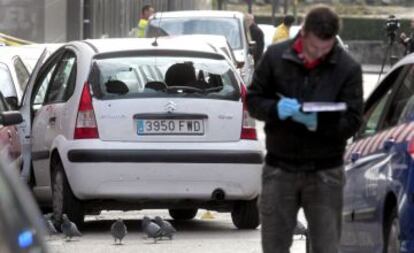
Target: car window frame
(18,59)
(70,80)
(53,60)
(409,68)
(375,98)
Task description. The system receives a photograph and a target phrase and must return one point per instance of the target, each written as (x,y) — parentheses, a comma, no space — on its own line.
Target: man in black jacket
(257,35)
(304,165)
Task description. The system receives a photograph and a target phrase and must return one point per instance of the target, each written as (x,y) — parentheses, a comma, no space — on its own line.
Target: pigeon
(69,229)
(49,224)
(300,229)
(118,230)
(151,229)
(167,230)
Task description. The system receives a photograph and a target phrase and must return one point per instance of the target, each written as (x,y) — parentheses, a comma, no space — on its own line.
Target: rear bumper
(167,173)
(165,156)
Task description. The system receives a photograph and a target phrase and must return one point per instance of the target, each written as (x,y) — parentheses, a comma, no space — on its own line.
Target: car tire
(245,214)
(183,214)
(391,230)
(63,200)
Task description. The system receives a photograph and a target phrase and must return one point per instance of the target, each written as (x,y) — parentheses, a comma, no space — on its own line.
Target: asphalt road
(200,235)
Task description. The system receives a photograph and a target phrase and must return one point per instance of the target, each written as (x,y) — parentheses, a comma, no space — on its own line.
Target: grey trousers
(320,196)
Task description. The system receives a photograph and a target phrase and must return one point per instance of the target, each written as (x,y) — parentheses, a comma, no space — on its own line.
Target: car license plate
(170,127)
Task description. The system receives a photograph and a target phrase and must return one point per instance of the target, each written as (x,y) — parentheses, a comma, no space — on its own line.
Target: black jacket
(290,145)
(257,35)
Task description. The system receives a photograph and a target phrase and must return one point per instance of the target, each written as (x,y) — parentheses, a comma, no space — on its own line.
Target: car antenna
(155,43)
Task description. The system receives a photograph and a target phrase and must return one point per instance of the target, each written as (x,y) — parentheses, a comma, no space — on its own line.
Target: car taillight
(248,131)
(86,127)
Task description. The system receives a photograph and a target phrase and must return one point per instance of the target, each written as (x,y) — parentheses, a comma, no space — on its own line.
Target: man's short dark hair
(146,8)
(288,20)
(322,21)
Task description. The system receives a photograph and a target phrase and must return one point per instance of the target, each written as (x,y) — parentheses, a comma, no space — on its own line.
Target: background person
(282,30)
(408,40)
(304,160)
(146,12)
(257,35)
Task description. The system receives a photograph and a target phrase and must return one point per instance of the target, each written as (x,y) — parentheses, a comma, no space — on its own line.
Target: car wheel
(183,214)
(245,214)
(63,200)
(391,233)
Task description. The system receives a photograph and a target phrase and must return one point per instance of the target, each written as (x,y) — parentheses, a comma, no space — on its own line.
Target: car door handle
(388,144)
(355,156)
(52,120)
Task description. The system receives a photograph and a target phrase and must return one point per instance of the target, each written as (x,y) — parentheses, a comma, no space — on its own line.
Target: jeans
(318,193)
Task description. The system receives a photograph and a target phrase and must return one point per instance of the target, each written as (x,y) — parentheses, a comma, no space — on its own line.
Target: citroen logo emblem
(170,107)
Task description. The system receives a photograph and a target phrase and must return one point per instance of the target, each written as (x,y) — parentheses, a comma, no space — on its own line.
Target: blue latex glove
(310,120)
(287,107)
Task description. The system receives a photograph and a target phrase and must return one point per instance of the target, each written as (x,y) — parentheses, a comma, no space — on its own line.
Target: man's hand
(287,107)
(404,38)
(310,120)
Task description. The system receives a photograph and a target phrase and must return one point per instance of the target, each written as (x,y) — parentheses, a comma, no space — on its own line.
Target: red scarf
(298,47)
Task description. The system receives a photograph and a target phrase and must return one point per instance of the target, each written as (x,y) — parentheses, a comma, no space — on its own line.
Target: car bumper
(162,174)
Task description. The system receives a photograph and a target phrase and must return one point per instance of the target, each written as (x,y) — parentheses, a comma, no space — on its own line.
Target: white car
(13,75)
(141,123)
(218,42)
(16,63)
(230,24)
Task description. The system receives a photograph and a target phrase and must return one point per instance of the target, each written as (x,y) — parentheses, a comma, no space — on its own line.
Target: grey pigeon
(49,224)
(118,230)
(69,229)
(300,229)
(167,230)
(151,229)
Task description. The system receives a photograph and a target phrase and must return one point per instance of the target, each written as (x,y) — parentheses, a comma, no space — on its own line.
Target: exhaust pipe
(218,194)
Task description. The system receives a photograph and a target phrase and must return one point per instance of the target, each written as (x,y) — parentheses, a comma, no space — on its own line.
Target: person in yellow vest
(146,12)
(282,30)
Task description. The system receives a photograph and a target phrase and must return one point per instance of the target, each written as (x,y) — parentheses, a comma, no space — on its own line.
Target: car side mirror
(252,47)
(12,102)
(116,87)
(10,118)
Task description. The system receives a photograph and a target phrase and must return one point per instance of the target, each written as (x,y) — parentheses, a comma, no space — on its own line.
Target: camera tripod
(387,53)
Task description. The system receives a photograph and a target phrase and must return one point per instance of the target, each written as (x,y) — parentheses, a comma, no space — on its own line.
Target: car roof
(201,13)
(135,44)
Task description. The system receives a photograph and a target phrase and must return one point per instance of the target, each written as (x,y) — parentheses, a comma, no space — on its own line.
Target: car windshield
(228,27)
(6,81)
(168,76)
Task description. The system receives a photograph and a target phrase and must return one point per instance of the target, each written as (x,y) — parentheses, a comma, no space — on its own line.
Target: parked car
(21,225)
(16,63)
(13,75)
(142,123)
(10,147)
(218,42)
(230,24)
(378,207)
